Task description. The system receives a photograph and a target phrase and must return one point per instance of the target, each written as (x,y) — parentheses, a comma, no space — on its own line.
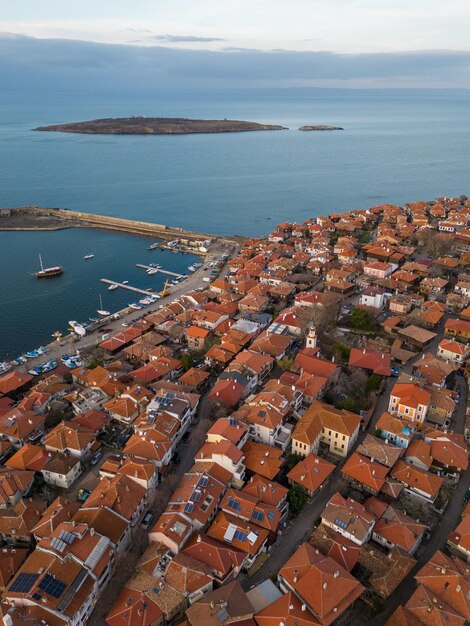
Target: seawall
(36,218)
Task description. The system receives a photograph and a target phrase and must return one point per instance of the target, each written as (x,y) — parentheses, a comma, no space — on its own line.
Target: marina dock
(160,271)
(128,287)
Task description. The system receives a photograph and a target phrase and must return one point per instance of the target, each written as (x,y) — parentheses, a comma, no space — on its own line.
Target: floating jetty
(129,287)
(160,271)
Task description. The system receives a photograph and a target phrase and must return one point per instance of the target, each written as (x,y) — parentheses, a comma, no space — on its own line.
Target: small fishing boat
(125,282)
(113,286)
(5,367)
(21,360)
(88,256)
(153,246)
(191,268)
(102,311)
(49,366)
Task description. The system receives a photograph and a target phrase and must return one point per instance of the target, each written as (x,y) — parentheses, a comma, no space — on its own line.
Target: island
(157,126)
(321,127)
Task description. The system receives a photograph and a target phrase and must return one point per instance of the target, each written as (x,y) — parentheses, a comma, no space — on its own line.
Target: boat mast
(40,263)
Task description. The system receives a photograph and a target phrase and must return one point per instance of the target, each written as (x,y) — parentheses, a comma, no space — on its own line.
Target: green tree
(373,382)
(292,460)
(361,319)
(297,498)
(187,362)
(351,403)
(285,363)
(341,351)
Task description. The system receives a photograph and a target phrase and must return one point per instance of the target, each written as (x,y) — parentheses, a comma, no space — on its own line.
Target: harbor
(74,294)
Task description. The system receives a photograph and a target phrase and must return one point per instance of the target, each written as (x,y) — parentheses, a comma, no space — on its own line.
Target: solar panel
(37,596)
(195,496)
(233,504)
(52,586)
(271,515)
(240,536)
(23,583)
(233,421)
(258,516)
(340,523)
(66,536)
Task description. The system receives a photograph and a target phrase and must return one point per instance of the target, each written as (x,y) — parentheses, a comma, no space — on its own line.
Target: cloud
(51,65)
(184,38)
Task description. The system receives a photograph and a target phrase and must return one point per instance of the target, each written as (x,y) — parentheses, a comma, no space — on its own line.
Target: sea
(396,146)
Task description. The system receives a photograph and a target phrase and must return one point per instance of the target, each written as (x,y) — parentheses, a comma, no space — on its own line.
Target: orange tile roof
(286,610)
(262,459)
(410,395)
(326,587)
(311,472)
(416,478)
(399,529)
(249,539)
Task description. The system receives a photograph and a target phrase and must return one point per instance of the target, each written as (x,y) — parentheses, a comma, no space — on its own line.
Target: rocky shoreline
(320,128)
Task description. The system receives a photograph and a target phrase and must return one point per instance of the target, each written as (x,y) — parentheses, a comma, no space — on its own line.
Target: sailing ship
(48,272)
(102,311)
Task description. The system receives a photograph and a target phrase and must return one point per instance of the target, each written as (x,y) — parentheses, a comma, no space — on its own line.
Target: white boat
(102,311)
(125,282)
(153,246)
(113,286)
(152,271)
(191,268)
(77,328)
(88,256)
(135,306)
(4,367)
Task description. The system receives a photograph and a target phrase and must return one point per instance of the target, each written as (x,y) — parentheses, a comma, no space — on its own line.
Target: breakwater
(40,218)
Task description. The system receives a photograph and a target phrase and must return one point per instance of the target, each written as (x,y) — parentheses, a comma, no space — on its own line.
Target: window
(344,437)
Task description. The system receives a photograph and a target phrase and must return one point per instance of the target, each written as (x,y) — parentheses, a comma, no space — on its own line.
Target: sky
(349,43)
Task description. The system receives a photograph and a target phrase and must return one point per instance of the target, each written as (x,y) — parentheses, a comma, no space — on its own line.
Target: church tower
(311,337)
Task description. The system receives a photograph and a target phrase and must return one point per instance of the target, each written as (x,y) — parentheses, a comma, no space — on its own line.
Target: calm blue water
(395,148)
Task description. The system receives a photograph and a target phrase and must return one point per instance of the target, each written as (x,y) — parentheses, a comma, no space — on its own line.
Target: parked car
(96,457)
(146,520)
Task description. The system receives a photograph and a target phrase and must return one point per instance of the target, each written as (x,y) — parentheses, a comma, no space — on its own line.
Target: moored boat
(102,311)
(88,256)
(5,367)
